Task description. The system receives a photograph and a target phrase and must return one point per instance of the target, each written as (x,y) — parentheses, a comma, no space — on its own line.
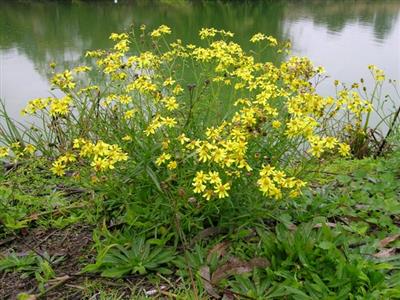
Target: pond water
(343,36)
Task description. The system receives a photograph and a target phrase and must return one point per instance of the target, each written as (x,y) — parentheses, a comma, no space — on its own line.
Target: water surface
(342,36)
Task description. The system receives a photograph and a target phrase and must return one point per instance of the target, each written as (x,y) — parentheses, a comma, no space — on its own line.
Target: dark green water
(343,36)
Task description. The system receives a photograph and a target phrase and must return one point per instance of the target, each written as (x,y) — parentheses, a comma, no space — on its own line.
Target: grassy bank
(341,238)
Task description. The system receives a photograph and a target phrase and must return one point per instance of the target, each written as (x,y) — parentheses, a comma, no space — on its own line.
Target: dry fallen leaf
(385,253)
(206,233)
(206,279)
(329,224)
(219,249)
(236,267)
(386,241)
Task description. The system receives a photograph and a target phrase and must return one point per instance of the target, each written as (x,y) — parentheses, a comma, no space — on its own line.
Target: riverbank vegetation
(200,171)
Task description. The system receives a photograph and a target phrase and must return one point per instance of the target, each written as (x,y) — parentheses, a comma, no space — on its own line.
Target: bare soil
(72,243)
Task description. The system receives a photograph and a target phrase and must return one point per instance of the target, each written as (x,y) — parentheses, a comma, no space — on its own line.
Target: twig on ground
(61,281)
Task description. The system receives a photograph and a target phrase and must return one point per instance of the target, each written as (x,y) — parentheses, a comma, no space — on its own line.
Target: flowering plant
(198,118)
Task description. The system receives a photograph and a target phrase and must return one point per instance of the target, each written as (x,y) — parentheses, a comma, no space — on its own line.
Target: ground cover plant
(200,171)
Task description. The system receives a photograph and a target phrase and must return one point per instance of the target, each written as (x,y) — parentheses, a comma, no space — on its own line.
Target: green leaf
(326,245)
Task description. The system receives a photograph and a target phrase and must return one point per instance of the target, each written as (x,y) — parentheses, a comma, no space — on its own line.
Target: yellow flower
(58,168)
(316,149)
(81,69)
(101,148)
(77,143)
(204,152)
(125,99)
(200,177)
(116,154)
(208,194)
(165,144)
(170,103)
(279,177)
(64,80)
(168,82)
(4,151)
(163,158)
(183,139)
(15,146)
(129,114)
(213,177)
(169,122)
(207,32)
(67,157)
(177,90)
(344,149)
(221,190)
(257,37)
(198,187)
(101,164)
(127,138)
(36,105)
(219,155)
(116,36)
(122,46)
(267,170)
(272,41)
(60,107)
(265,185)
(330,142)
(276,124)
(86,150)
(172,165)
(153,126)
(163,29)
(30,149)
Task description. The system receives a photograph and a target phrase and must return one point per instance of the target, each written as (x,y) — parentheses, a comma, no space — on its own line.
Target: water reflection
(344,36)
(347,36)
(381,16)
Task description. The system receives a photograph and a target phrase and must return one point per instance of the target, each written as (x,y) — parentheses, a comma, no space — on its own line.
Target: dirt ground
(72,243)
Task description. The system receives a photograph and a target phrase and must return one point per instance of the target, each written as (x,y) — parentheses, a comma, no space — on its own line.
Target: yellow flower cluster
(35,105)
(163,29)
(81,69)
(159,122)
(145,60)
(378,74)
(112,64)
(210,185)
(166,158)
(60,107)
(103,156)
(64,80)
(17,149)
(319,145)
(211,32)
(118,37)
(57,107)
(272,182)
(142,84)
(260,37)
(59,166)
